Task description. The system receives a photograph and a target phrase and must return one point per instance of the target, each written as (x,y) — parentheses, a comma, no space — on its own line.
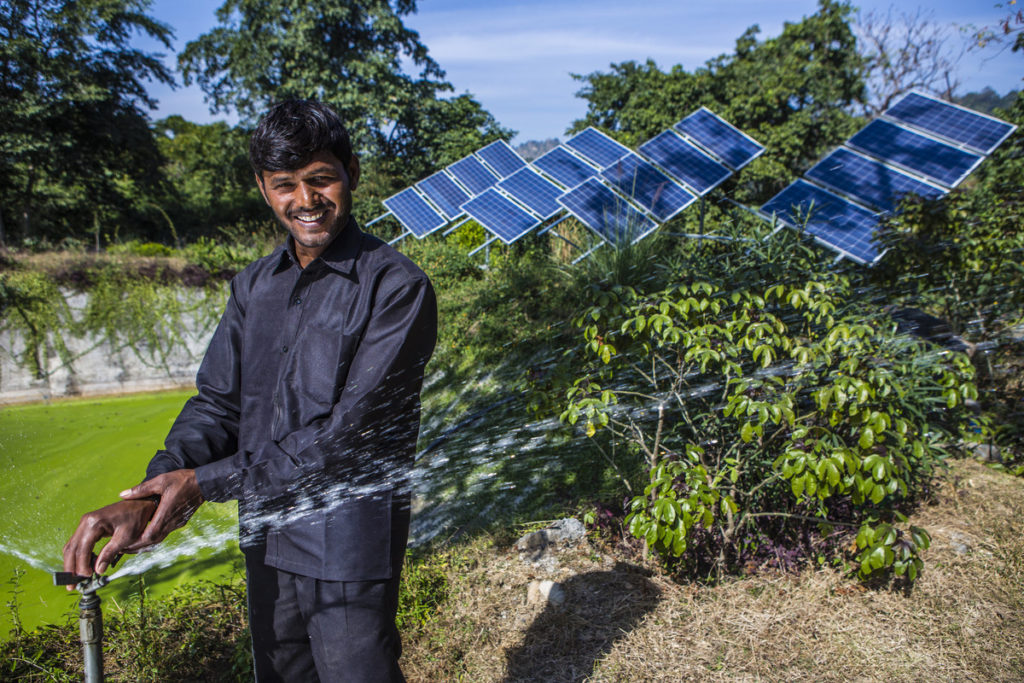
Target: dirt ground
(962,621)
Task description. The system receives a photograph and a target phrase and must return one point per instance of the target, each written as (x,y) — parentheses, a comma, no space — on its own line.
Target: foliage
(349,55)
(792,93)
(762,409)
(73,132)
(209,183)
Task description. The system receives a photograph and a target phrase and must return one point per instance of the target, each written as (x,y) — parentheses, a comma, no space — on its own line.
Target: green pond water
(62,459)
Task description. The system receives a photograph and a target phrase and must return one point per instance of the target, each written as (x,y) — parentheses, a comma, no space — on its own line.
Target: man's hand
(179,496)
(123,521)
(134,523)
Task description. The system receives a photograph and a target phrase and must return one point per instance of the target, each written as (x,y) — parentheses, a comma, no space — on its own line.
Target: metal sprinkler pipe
(90,620)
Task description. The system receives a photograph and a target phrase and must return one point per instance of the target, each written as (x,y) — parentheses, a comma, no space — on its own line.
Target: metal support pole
(548,229)
(455,227)
(566,240)
(399,238)
(378,218)
(90,631)
(90,620)
(482,246)
(591,251)
(702,214)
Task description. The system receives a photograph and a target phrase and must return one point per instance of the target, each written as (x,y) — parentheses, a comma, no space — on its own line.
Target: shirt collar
(340,254)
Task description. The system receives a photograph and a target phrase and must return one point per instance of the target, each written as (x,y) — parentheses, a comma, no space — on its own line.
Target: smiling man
(307,413)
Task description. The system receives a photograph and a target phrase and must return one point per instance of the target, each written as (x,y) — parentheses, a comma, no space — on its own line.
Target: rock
(987,453)
(959,543)
(545,593)
(563,532)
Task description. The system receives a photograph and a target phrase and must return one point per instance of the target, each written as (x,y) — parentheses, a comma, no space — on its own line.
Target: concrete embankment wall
(97,367)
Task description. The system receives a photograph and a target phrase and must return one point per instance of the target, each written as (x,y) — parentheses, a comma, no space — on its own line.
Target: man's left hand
(179,496)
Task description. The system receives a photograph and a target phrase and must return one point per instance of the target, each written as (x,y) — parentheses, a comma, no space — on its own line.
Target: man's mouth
(310,216)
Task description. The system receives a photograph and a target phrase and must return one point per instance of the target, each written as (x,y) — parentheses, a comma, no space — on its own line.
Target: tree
(792,93)
(209,183)
(907,51)
(72,121)
(348,55)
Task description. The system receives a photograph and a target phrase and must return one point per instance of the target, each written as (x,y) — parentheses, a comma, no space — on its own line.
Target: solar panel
(840,224)
(977,131)
(868,180)
(565,168)
(723,139)
(597,147)
(444,192)
(684,161)
(534,190)
(473,175)
(502,159)
(500,215)
(943,163)
(413,212)
(648,187)
(607,214)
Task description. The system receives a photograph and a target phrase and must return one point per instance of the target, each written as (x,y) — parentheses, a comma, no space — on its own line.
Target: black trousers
(305,629)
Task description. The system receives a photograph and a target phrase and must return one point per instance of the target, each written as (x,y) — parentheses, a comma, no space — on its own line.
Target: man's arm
(206,427)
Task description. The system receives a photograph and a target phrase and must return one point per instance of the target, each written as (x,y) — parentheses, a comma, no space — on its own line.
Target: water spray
(90,620)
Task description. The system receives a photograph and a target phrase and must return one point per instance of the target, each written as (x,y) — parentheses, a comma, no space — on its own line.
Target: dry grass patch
(963,620)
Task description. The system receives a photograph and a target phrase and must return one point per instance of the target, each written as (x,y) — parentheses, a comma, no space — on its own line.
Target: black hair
(288,136)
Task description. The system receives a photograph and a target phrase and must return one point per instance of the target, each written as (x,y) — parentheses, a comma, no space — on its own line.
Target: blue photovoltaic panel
(723,139)
(445,193)
(534,190)
(597,147)
(472,174)
(868,180)
(607,214)
(943,163)
(502,158)
(565,168)
(977,131)
(648,187)
(842,225)
(413,212)
(500,215)
(684,161)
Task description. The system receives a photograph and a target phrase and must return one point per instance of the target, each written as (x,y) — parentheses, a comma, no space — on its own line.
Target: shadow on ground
(564,642)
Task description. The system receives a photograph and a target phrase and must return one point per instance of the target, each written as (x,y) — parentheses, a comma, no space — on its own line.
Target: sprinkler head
(83,584)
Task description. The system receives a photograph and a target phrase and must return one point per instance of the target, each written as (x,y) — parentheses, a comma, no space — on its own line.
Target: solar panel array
(618,194)
(920,146)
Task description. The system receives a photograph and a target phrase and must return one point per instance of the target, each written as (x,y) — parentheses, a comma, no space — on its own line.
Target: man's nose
(308,194)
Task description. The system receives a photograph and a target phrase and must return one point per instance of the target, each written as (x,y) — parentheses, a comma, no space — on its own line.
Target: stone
(545,593)
(563,532)
(987,453)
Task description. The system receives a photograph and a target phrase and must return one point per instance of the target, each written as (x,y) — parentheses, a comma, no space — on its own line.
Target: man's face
(313,202)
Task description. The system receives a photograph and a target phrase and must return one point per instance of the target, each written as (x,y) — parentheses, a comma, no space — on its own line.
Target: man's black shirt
(307,410)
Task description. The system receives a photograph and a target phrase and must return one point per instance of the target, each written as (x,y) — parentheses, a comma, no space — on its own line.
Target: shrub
(759,412)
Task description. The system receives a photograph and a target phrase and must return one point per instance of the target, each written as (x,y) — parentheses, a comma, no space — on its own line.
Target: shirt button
(284,349)
(297,300)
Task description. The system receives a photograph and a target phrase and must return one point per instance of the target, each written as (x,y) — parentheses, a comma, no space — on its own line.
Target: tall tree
(72,121)
(347,53)
(792,92)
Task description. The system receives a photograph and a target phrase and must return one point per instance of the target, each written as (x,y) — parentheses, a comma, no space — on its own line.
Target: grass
(64,458)
(465,615)
(624,621)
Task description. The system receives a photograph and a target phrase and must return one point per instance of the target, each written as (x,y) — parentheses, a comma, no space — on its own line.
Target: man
(307,413)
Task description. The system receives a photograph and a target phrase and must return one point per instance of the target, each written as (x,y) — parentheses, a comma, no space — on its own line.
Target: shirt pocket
(320,363)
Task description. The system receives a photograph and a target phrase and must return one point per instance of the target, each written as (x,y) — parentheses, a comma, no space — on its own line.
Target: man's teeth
(310,217)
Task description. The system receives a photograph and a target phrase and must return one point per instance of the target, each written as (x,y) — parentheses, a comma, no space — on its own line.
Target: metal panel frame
(693,197)
(682,181)
(428,204)
(605,138)
(856,199)
(595,180)
(500,143)
(895,164)
(427,193)
(494,191)
(535,172)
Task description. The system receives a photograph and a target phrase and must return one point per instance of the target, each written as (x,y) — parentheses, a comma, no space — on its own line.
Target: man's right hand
(124,522)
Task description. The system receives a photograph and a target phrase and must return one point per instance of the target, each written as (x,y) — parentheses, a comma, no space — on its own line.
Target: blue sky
(516,57)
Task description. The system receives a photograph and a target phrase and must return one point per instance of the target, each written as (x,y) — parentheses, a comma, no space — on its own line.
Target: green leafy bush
(757,409)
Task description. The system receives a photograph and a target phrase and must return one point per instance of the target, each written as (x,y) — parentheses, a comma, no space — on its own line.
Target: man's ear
(353,172)
(262,188)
